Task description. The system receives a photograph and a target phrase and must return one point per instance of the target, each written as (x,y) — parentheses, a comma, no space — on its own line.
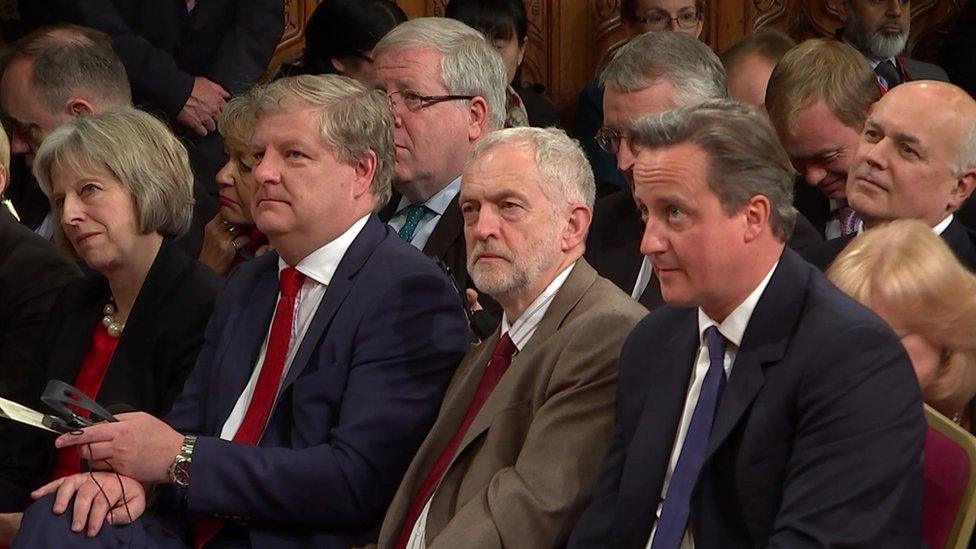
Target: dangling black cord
(125,502)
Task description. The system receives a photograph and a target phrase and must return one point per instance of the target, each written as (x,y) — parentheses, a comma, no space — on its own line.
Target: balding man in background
(57,73)
(916,158)
(749,62)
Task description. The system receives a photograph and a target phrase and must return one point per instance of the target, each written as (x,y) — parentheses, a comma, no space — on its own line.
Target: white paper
(23,414)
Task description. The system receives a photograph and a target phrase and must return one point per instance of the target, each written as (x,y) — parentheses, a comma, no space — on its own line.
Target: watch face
(181,473)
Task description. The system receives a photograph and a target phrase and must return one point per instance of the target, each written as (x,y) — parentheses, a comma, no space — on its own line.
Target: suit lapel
(764,343)
(961,243)
(579,280)
(455,404)
(649,450)
(342,282)
(249,327)
(76,329)
(449,228)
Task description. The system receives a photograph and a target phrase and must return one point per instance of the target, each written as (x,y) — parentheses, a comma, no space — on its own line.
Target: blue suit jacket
(361,394)
(817,440)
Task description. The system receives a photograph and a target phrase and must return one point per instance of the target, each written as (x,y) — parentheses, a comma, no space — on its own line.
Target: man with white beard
(879,30)
(515,450)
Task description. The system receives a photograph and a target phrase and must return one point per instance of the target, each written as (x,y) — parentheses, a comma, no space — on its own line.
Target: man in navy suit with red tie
(761,407)
(323,367)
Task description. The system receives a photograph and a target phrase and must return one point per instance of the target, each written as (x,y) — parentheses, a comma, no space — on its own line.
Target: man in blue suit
(761,407)
(299,418)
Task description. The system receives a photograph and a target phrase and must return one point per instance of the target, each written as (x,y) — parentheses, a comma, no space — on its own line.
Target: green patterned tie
(415,212)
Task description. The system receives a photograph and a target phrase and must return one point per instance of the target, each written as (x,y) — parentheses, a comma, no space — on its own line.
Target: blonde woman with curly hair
(911,278)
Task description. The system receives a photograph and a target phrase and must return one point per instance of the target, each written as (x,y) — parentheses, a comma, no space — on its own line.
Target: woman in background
(505,24)
(231,237)
(340,35)
(910,277)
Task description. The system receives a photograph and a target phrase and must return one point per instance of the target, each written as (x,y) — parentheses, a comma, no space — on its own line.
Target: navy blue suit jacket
(817,440)
(362,392)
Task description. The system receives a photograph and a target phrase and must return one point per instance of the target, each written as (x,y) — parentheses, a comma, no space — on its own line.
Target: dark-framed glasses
(608,139)
(415,102)
(659,20)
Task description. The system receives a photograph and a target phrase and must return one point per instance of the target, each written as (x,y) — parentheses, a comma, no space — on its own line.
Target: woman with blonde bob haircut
(910,277)
(129,331)
(231,236)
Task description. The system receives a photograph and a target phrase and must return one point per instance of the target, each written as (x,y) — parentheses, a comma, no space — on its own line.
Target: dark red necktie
(501,357)
(266,388)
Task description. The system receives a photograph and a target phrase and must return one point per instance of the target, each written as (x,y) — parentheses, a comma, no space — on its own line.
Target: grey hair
(745,158)
(691,66)
(354,120)
(139,150)
(469,64)
(69,58)
(966,154)
(566,174)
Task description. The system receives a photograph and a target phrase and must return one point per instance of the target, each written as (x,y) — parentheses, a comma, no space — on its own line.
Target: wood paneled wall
(569,40)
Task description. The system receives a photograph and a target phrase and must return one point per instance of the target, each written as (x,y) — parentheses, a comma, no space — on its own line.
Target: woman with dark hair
(340,35)
(505,24)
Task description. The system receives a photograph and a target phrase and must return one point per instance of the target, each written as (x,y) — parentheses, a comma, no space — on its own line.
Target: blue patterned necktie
(415,212)
(677,504)
(848,219)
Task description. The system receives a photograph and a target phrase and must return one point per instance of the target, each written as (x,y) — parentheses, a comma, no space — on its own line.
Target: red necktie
(266,388)
(501,357)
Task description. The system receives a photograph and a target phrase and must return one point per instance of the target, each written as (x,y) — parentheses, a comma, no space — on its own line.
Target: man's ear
(79,106)
(577,227)
(756,214)
(964,187)
(478,122)
(365,169)
(339,64)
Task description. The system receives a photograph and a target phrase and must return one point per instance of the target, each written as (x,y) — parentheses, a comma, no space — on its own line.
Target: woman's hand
(93,505)
(220,245)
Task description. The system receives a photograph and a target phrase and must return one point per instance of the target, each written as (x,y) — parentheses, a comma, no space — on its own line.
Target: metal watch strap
(179,470)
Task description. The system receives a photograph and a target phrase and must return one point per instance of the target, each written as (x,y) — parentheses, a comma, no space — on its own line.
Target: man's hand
(138,445)
(203,107)
(96,503)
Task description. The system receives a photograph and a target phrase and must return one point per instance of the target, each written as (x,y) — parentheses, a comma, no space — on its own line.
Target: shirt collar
(437,203)
(523,328)
(943,225)
(321,264)
(734,325)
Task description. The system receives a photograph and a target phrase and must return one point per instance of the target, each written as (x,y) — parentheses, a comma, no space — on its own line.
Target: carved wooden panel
(570,40)
(931,20)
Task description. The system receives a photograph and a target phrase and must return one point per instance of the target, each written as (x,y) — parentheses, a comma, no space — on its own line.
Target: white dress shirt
(436,205)
(318,268)
(520,332)
(643,278)
(874,64)
(943,225)
(732,328)
(833,229)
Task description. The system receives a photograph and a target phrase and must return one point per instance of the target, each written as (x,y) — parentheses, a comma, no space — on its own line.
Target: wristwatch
(179,470)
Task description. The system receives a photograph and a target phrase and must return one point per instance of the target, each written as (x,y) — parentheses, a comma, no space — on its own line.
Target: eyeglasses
(608,139)
(416,102)
(659,20)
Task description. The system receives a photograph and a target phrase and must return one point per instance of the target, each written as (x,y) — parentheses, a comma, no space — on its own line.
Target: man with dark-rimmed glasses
(446,86)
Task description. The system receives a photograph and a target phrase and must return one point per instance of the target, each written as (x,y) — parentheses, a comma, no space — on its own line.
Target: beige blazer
(527,464)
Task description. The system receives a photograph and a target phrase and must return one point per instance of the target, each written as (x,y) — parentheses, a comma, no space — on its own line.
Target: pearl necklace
(113,326)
